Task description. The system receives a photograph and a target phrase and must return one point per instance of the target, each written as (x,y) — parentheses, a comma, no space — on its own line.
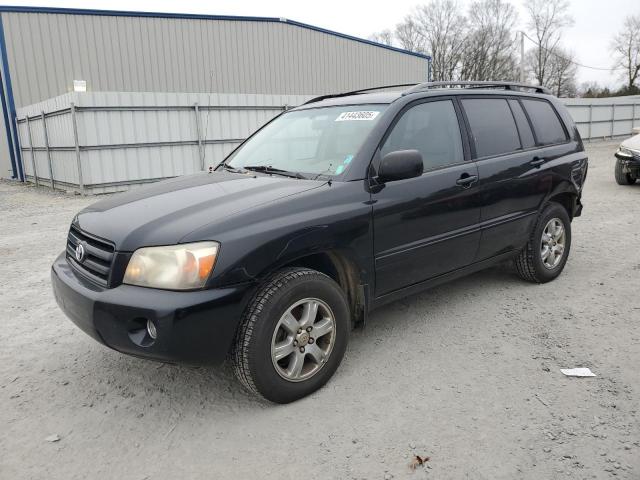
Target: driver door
(428,225)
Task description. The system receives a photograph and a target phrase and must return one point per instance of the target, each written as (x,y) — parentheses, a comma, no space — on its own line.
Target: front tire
(293,335)
(623,178)
(546,253)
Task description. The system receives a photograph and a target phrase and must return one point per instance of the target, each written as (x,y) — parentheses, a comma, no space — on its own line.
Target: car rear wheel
(546,253)
(293,335)
(623,178)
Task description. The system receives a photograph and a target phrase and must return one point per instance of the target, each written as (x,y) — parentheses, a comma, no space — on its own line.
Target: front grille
(98,258)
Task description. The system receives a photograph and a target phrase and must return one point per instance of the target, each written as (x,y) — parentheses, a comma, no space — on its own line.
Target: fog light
(151,329)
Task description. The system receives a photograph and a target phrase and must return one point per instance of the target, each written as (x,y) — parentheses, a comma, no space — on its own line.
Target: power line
(568,59)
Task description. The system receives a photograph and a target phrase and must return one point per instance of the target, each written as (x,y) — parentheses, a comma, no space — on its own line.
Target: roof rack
(421,87)
(358,92)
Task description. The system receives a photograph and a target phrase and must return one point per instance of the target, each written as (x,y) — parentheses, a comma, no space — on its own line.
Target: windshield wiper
(274,171)
(231,169)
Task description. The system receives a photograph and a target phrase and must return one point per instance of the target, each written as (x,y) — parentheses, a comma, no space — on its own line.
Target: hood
(164,212)
(632,143)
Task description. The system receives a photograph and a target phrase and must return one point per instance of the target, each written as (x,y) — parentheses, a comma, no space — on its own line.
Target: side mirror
(400,165)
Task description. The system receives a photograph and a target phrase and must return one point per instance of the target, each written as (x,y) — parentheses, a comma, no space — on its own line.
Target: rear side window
(492,126)
(431,128)
(526,137)
(546,123)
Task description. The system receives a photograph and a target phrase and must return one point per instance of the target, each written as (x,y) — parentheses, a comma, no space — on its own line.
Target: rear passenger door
(513,180)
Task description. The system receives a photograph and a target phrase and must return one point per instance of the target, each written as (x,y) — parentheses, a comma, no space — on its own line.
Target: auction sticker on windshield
(362,115)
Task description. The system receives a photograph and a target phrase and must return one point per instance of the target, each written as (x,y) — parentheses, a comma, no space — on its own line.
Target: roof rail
(357,92)
(421,87)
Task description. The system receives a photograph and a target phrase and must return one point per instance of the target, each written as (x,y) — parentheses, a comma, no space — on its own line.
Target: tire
(623,178)
(293,291)
(531,264)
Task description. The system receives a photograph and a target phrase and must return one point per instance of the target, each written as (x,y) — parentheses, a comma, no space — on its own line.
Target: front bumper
(193,327)
(631,162)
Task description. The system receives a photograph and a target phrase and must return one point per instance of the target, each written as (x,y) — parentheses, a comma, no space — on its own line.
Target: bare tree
(439,28)
(489,52)
(547,18)
(590,89)
(410,36)
(384,36)
(560,76)
(562,73)
(626,50)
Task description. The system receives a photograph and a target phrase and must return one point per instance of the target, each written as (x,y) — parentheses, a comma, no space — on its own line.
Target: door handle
(537,161)
(466,180)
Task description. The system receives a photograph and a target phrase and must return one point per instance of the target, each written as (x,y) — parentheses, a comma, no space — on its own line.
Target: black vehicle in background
(330,210)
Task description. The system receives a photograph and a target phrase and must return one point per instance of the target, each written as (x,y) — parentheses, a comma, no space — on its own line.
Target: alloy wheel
(303,339)
(552,244)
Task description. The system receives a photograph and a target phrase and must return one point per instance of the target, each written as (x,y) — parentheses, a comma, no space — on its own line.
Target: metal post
(590,119)
(521,57)
(77,145)
(613,118)
(199,131)
(633,117)
(33,155)
(23,170)
(46,146)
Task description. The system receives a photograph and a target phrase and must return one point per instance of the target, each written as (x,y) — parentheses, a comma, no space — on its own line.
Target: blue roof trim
(195,16)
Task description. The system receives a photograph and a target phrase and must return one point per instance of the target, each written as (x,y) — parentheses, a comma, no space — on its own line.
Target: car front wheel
(546,253)
(623,178)
(293,335)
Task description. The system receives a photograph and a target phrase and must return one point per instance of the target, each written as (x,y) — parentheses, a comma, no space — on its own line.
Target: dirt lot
(467,374)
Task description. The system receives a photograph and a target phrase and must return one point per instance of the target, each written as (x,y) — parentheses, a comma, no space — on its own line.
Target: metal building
(44,50)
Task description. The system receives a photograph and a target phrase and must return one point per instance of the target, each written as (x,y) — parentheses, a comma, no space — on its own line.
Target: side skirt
(447,277)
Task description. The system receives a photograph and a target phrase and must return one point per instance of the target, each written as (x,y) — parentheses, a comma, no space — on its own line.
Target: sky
(589,38)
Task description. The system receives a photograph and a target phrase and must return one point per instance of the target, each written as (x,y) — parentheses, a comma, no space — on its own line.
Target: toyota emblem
(80,253)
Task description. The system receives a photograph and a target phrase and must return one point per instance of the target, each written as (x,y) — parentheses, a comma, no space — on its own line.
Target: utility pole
(521,56)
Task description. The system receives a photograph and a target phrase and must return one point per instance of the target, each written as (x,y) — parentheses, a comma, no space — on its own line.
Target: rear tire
(546,252)
(293,335)
(623,178)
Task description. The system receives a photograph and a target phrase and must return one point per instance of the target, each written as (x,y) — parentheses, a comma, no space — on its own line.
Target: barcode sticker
(363,115)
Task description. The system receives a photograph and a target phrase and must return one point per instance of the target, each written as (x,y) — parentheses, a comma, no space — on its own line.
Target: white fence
(103,142)
(599,118)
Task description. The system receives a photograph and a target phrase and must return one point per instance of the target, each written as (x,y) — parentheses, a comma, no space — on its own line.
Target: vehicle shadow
(454,292)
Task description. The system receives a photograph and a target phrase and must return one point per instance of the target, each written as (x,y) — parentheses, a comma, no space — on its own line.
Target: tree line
(482,44)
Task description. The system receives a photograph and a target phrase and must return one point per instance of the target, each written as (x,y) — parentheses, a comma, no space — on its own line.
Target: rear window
(492,126)
(546,123)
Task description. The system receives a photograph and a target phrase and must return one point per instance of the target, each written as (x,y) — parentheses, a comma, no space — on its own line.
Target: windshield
(317,141)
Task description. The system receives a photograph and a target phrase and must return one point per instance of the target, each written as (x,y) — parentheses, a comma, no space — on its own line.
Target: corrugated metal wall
(141,54)
(605,117)
(126,139)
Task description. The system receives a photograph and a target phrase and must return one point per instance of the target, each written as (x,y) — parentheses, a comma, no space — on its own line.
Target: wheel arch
(344,270)
(567,199)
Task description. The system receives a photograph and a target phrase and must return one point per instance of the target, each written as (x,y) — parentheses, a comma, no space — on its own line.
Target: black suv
(330,210)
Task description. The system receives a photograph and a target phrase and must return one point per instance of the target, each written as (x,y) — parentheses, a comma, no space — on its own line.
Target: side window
(545,122)
(526,137)
(431,128)
(492,126)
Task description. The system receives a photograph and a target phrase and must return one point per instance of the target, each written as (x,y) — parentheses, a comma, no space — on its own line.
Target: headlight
(625,152)
(175,267)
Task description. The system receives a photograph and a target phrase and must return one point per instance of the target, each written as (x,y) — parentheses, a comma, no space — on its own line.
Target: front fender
(333,218)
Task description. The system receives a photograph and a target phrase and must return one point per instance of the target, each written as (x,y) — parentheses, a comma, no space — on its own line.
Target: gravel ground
(467,374)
